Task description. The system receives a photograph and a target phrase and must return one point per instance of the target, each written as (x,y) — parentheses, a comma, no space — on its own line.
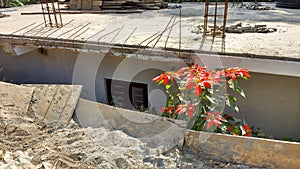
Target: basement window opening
(128,95)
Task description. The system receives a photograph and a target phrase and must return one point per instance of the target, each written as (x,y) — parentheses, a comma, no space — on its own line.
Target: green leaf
(233,84)
(160,82)
(231,101)
(168,86)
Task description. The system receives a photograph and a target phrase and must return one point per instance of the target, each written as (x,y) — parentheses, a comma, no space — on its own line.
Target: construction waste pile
(237,28)
(256,6)
(2,15)
(97,5)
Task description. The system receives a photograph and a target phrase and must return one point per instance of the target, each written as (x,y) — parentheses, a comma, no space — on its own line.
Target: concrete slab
(283,43)
(55,104)
(14,98)
(245,150)
(156,131)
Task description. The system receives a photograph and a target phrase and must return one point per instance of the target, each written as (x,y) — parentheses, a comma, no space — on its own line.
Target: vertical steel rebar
(48,10)
(180,27)
(54,13)
(43,13)
(225,18)
(61,23)
(215,18)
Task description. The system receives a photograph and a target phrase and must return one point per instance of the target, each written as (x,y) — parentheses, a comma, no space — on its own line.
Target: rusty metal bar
(117,34)
(93,36)
(60,18)
(169,34)
(225,18)
(79,30)
(23,28)
(43,10)
(180,27)
(148,38)
(78,36)
(206,16)
(215,18)
(130,35)
(106,35)
(54,13)
(48,10)
(32,28)
(163,32)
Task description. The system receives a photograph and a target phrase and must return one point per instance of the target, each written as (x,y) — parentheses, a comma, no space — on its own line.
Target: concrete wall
(272,100)
(272,103)
(88,69)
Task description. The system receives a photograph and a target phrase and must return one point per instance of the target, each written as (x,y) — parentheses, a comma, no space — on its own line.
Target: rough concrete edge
(75,99)
(245,150)
(23,87)
(80,44)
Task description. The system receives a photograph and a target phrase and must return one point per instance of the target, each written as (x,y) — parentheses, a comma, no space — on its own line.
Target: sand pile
(26,143)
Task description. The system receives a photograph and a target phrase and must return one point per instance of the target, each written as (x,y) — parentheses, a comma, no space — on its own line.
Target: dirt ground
(282,43)
(27,143)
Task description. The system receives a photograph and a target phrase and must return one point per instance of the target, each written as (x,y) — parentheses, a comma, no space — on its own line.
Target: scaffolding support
(215,16)
(54,15)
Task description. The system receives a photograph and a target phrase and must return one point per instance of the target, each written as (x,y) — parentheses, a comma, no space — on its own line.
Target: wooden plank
(99,3)
(89,12)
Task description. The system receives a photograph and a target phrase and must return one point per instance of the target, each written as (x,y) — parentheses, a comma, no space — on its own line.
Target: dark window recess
(129,95)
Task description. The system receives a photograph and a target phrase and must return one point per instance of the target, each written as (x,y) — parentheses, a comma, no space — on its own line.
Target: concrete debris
(174,6)
(256,6)
(237,28)
(2,15)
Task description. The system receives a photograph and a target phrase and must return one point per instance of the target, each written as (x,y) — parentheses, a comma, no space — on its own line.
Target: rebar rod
(163,32)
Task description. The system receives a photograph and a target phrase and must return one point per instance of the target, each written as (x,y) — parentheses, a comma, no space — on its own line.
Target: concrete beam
(245,150)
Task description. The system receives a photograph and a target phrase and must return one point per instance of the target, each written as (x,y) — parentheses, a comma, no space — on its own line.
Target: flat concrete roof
(135,28)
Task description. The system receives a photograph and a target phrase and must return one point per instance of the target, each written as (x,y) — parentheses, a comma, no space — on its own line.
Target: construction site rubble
(237,28)
(27,142)
(240,28)
(256,6)
(2,15)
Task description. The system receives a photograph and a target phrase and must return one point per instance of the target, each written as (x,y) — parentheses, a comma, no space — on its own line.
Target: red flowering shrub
(200,96)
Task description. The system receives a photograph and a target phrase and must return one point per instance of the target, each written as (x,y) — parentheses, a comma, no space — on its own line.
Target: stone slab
(55,104)
(156,131)
(245,150)
(14,98)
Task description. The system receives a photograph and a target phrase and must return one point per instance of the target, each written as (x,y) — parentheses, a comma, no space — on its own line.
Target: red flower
(207,84)
(233,73)
(165,77)
(247,129)
(214,118)
(198,90)
(227,116)
(230,128)
(169,110)
(185,108)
